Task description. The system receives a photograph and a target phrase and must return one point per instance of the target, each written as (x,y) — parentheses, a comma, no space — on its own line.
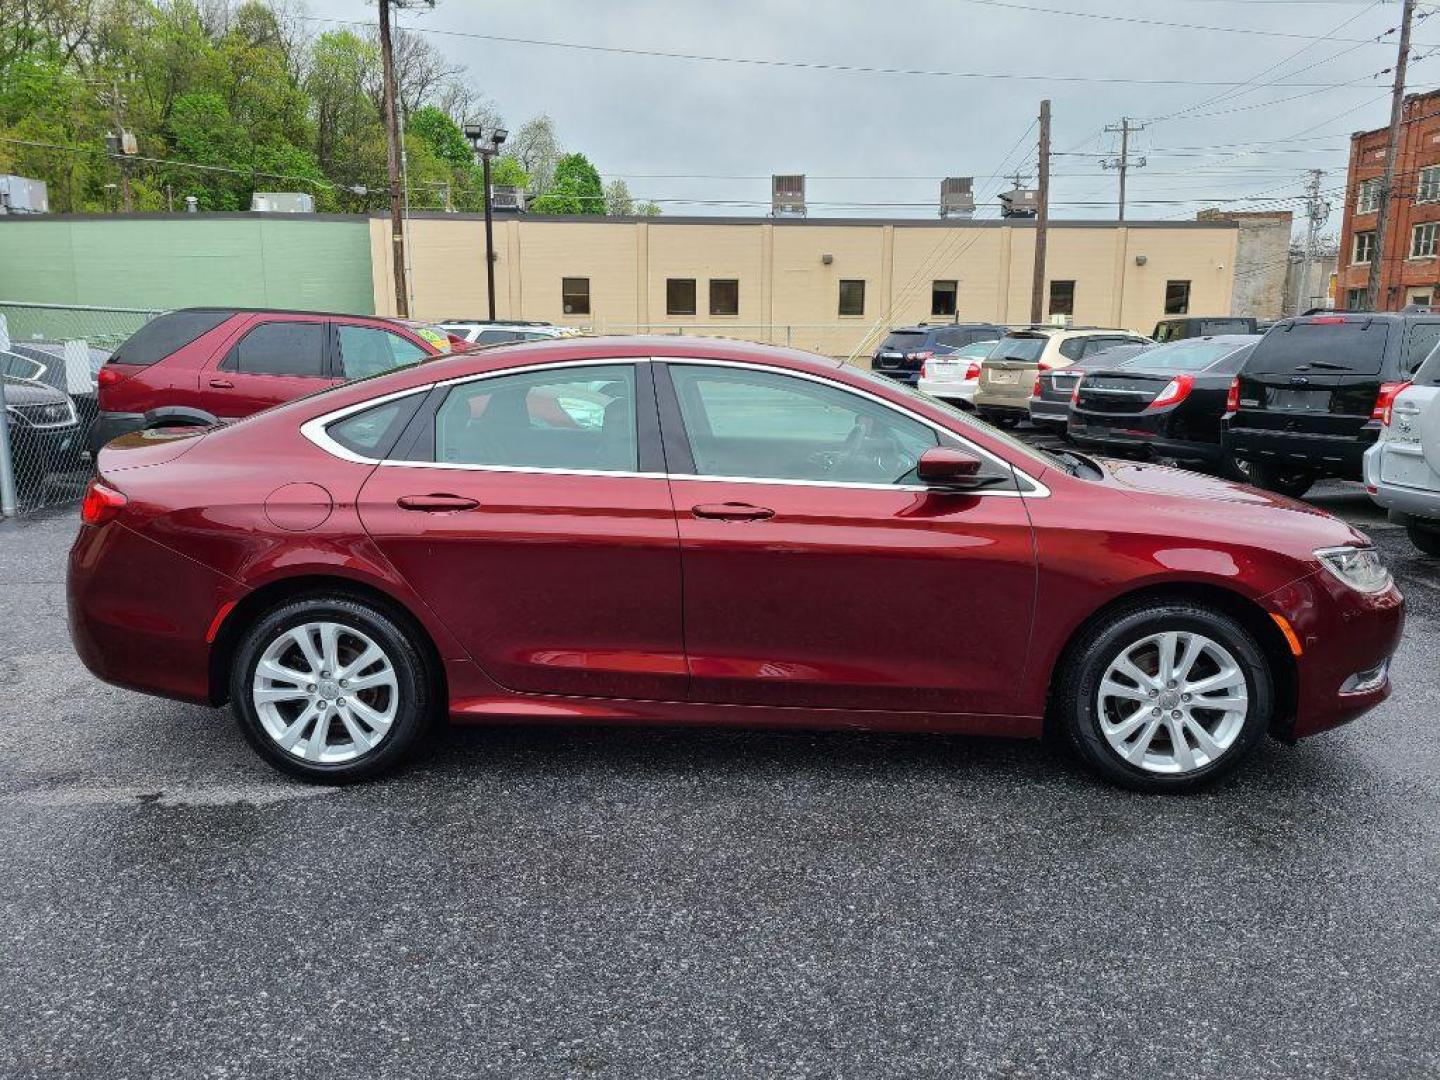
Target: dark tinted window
(1019,348)
(1177,297)
(281,348)
(1420,340)
(679,296)
(1354,348)
(1062,298)
(575,295)
(166,333)
(903,340)
(1226,326)
(852,297)
(943,297)
(495,337)
(724,296)
(1429,373)
(371,433)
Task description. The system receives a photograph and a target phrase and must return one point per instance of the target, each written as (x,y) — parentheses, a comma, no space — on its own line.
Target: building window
(1428,187)
(724,296)
(1367,196)
(1422,240)
(1356,299)
(852,297)
(1364,247)
(943,297)
(1177,297)
(575,295)
(680,296)
(1062,298)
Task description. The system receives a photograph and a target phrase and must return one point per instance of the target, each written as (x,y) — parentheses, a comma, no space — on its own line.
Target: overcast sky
(664,123)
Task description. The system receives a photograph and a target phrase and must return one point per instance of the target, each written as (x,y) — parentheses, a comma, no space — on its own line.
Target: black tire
(1292,482)
(414,686)
(1426,538)
(1076,690)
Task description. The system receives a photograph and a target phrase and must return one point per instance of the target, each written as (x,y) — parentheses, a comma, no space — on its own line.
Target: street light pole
(485,152)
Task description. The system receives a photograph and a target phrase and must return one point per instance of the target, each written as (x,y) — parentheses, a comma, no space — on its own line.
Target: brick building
(1411,271)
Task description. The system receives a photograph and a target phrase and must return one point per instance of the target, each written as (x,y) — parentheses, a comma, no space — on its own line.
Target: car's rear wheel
(1426,538)
(330,689)
(1291,482)
(1165,697)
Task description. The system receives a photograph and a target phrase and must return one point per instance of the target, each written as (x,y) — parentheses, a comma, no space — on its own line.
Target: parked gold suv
(1007,375)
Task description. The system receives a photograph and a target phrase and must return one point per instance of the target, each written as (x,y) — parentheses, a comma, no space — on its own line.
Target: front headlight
(1358,567)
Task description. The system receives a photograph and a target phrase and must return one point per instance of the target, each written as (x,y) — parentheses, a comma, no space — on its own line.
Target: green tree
(618,202)
(577,189)
(442,135)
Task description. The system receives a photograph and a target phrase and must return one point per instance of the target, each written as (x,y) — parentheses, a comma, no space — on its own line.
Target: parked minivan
(1309,401)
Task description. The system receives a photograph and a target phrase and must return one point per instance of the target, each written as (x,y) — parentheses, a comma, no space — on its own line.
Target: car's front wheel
(330,689)
(1164,697)
(1425,537)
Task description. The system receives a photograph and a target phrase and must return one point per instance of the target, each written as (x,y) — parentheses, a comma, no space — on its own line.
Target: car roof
(226,309)
(926,328)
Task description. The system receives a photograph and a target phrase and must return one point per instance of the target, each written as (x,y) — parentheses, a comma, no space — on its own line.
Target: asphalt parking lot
(571,902)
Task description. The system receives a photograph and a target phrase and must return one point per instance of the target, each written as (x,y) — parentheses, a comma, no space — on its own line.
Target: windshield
(1016,347)
(1024,450)
(1194,355)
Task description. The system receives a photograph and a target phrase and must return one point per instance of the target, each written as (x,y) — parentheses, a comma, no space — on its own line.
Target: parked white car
(953,377)
(476,332)
(1402,470)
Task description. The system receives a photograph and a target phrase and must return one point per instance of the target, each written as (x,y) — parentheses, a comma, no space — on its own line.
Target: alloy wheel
(1173,702)
(325,692)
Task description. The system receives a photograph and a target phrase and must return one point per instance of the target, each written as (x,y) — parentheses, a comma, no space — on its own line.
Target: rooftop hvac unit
(504,197)
(21,195)
(1020,202)
(787,196)
(282,202)
(956,197)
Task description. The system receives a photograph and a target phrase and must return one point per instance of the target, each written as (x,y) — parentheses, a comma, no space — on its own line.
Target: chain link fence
(50,356)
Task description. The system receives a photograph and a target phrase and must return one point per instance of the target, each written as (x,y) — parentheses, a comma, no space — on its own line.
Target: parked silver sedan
(1402,470)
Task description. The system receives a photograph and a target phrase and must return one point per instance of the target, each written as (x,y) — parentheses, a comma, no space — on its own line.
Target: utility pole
(1123,163)
(1373,300)
(1317,210)
(121,144)
(1042,217)
(392,164)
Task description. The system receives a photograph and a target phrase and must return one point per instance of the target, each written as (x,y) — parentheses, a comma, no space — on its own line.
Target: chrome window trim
(314,431)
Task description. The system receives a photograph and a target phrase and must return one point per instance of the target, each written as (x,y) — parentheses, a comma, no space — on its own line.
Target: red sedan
(634,530)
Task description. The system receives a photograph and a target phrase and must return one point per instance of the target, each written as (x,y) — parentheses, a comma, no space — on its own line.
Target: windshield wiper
(1326,364)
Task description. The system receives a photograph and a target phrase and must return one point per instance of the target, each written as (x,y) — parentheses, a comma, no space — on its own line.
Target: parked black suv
(1193,326)
(1309,400)
(906,348)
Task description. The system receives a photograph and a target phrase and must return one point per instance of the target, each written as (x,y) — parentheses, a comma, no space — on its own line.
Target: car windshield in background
(1183,356)
(903,340)
(976,350)
(1019,348)
(1353,347)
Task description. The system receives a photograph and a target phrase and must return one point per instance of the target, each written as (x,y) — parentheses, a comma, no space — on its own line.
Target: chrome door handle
(436,503)
(731,511)
(222,384)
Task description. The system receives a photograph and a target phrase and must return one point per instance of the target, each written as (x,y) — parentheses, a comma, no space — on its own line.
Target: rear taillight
(973,371)
(1176,390)
(926,355)
(1035,390)
(1075,393)
(1385,401)
(1232,397)
(101,503)
(1045,365)
(925,370)
(109,376)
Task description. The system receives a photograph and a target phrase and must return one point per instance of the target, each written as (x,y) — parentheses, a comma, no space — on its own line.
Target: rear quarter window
(1349,348)
(1420,341)
(166,334)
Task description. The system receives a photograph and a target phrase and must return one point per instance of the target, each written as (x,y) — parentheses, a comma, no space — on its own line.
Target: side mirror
(943,467)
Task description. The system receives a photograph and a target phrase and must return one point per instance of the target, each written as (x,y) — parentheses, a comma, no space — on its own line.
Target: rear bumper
(121,634)
(948,389)
(109,426)
(1343,633)
(1049,412)
(1332,455)
(1401,501)
(1144,433)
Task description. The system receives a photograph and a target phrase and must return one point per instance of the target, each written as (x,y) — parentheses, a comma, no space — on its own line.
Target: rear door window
(280,348)
(366,351)
(1318,348)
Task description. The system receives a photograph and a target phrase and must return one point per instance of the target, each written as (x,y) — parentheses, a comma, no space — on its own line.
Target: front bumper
(1342,633)
(41,452)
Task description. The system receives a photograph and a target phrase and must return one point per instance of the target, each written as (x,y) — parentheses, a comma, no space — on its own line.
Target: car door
(530,510)
(275,359)
(818,572)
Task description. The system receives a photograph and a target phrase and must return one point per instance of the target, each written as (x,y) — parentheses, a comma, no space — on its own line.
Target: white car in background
(1402,469)
(479,332)
(953,377)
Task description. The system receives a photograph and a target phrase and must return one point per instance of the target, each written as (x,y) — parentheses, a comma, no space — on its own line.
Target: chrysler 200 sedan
(648,530)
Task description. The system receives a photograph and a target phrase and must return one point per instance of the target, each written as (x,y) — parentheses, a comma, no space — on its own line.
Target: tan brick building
(1411,270)
(829,285)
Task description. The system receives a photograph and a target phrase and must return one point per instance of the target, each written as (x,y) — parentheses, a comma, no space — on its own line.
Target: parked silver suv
(1402,470)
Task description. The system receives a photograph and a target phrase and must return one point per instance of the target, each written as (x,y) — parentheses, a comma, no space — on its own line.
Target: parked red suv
(197,366)
(665,530)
